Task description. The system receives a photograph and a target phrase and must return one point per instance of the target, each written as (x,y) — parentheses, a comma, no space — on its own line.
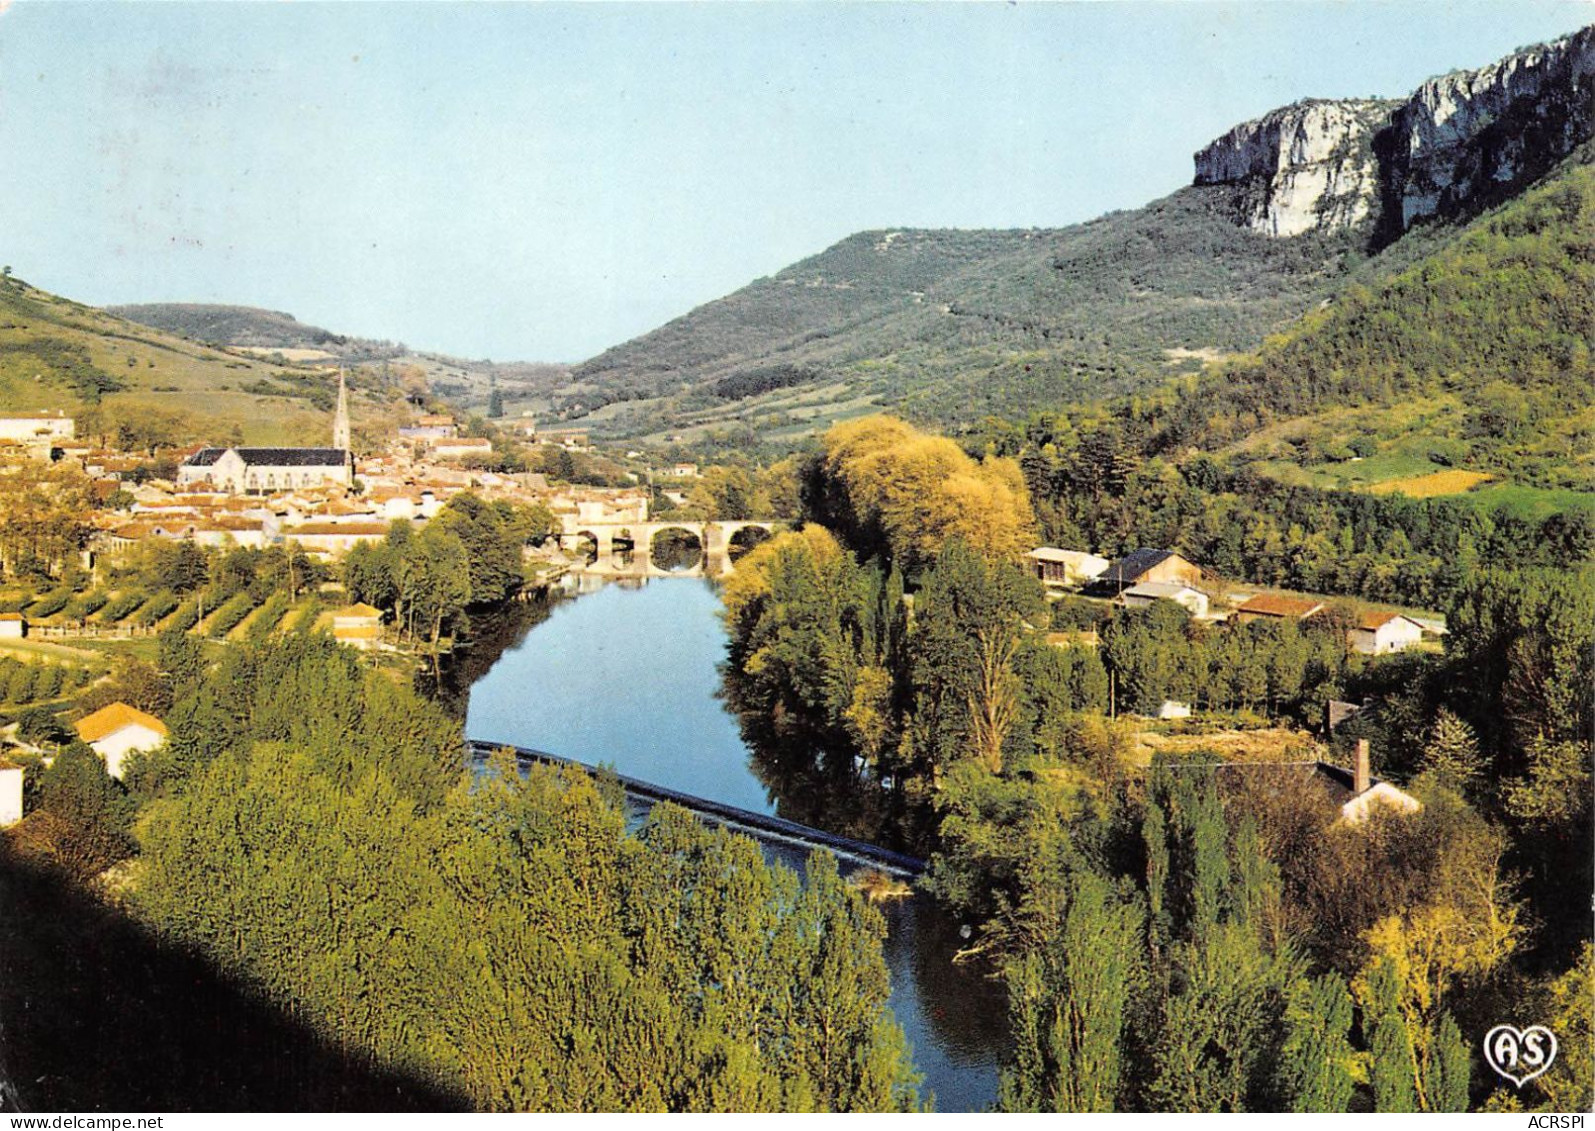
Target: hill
(946,326)
(1473,366)
(949,325)
(253,329)
(152,387)
(276,336)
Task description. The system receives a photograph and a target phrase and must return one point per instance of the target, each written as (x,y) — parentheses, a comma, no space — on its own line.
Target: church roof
(273,457)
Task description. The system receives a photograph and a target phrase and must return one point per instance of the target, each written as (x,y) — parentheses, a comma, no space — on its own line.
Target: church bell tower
(340,420)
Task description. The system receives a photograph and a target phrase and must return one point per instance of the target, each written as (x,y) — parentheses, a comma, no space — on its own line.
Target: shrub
(156,609)
(87,605)
(50,604)
(230,615)
(47,683)
(186,617)
(120,606)
(269,617)
(20,687)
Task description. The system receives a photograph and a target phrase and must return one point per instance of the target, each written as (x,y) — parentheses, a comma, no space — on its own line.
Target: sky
(542,181)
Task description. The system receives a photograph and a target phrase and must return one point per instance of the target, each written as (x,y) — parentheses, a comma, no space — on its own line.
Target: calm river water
(628,676)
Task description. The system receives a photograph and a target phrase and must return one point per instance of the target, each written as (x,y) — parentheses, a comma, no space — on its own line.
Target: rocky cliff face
(1459,143)
(1309,165)
(1468,139)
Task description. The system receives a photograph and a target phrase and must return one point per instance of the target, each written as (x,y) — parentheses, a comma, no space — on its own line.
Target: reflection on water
(629,676)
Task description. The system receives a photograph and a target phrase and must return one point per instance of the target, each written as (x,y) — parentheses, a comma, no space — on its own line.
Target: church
(260,471)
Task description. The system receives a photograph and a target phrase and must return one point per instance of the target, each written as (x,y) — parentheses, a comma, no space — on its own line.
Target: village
(318,505)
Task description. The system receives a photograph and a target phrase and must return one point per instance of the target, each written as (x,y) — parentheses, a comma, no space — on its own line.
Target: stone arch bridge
(714,542)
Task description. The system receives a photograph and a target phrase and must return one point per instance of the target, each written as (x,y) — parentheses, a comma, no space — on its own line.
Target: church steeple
(340,419)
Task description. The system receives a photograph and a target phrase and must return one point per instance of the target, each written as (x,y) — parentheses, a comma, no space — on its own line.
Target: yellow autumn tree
(915,492)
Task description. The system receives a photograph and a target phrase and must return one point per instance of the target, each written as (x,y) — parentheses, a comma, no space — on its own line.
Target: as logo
(1519,1055)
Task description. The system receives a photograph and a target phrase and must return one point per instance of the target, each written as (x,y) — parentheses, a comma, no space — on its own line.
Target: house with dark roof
(259,471)
(1350,794)
(1141,566)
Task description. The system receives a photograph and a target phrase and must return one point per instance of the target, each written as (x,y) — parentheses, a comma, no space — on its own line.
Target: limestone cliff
(1309,165)
(1471,138)
(1460,143)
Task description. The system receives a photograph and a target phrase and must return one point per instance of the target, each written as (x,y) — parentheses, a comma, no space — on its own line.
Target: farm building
(1139,596)
(1379,633)
(1065,567)
(1277,606)
(358,626)
(10,793)
(1141,566)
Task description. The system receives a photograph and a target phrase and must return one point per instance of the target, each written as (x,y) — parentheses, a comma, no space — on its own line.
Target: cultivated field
(1453,481)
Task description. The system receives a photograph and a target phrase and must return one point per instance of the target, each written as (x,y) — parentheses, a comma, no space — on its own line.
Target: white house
(1378,633)
(40,428)
(1368,795)
(118,730)
(1066,567)
(1193,600)
(12,626)
(10,793)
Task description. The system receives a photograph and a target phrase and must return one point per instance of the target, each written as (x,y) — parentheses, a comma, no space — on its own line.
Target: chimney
(1362,774)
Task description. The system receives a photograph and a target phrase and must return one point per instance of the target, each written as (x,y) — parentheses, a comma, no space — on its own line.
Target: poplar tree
(1069,999)
(1316,1059)
(1392,1072)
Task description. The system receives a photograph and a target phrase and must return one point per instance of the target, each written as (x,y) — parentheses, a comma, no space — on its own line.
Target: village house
(118,730)
(430,427)
(1140,566)
(1277,606)
(1139,596)
(1351,795)
(1377,634)
(13,626)
(37,434)
(10,793)
(257,471)
(1065,567)
(333,539)
(461,447)
(575,439)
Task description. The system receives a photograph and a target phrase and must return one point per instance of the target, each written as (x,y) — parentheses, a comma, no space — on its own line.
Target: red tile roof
(1280,605)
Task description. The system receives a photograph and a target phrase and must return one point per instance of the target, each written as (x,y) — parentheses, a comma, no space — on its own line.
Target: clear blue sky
(542,181)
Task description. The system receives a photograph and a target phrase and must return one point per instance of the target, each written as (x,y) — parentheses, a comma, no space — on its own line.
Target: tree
(495,405)
(1070,1002)
(179,566)
(1452,755)
(969,627)
(889,489)
(1393,1070)
(493,555)
(1317,1063)
(434,579)
(92,812)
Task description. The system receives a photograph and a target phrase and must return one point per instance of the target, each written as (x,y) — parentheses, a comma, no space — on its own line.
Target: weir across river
(760,826)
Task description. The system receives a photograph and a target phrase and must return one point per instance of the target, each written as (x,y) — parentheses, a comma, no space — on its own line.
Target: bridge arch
(677,547)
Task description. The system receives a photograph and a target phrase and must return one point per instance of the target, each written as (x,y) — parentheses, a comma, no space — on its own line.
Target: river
(629,676)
